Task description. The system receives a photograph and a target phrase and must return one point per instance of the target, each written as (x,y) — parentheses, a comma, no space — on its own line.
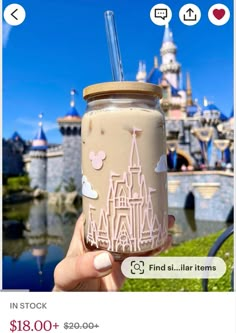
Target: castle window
(122,201)
(68,131)
(123,238)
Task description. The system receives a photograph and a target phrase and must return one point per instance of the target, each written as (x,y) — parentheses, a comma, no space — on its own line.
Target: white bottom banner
(118,312)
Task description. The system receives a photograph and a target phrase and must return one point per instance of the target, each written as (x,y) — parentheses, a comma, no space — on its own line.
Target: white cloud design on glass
(87,190)
(161,164)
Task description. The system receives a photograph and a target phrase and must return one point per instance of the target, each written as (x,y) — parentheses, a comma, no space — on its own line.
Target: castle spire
(155,62)
(188,82)
(205,101)
(72,113)
(40,119)
(141,74)
(72,100)
(168,35)
(189,90)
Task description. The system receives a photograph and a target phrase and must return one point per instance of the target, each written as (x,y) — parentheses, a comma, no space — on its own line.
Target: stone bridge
(209,193)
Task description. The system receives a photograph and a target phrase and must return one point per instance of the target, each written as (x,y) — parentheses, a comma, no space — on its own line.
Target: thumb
(73,270)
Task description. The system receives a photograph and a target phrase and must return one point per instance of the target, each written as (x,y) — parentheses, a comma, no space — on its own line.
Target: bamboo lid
(123,87)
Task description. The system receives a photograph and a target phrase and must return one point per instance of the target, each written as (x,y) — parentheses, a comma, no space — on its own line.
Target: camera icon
(137,267)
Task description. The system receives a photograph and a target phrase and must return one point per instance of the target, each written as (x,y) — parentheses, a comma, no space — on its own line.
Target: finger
(171,221)
(71,271)
(115,280)
(77,245)
(168,243)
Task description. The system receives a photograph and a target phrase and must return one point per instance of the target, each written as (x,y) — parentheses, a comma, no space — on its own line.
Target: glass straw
(113,45)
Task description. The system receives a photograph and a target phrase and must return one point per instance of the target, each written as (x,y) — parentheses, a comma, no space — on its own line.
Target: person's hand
(83,270)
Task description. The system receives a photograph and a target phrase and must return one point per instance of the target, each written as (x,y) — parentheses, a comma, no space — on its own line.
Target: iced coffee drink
(124,169)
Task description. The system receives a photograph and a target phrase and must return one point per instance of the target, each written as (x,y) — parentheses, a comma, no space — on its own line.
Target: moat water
(36,237)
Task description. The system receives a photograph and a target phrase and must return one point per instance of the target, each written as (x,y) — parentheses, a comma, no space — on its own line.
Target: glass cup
(124,168)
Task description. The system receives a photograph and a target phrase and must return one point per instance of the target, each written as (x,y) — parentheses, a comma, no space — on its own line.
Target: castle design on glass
(128,224)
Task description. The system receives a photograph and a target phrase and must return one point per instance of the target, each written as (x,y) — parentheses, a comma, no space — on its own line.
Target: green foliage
(196,247)
(70,186)
(17,184)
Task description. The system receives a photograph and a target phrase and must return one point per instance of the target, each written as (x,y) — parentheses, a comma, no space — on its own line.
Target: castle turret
(169,67)
(70,128)
(38,165)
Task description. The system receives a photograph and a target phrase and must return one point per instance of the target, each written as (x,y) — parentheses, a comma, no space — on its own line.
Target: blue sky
(62,45)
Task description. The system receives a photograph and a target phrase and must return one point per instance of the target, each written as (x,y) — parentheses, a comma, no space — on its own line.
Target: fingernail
(102,262)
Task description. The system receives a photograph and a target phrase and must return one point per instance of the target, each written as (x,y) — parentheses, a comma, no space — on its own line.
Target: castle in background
(54,167)
(195,136)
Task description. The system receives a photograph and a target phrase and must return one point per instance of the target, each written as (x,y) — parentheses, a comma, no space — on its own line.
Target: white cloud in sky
(47,125)
(28,127)
(6,29)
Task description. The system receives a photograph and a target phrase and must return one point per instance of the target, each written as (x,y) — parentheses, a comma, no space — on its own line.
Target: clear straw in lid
(113,45)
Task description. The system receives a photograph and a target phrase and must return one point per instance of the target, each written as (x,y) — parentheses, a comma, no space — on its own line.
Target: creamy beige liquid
(124,190)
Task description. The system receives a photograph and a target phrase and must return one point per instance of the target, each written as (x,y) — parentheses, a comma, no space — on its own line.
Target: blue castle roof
(213,107)
(191,110)
(72,112)
(40,135)
(40,141)
(154,76)
(16,136)
(210,107)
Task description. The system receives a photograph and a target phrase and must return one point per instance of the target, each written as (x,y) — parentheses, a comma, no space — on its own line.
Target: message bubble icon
(160,14)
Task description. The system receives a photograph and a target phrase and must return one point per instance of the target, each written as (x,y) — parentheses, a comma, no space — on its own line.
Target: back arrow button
(12,14)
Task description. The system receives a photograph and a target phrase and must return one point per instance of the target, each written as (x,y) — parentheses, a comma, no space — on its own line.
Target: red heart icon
(219,13)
